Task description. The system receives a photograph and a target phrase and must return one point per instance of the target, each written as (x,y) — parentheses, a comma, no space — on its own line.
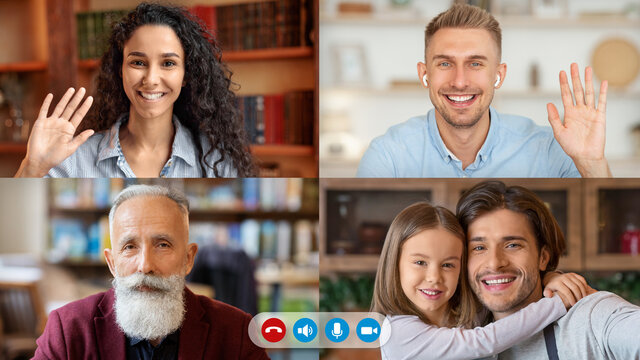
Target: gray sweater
(410,338)
(600,326)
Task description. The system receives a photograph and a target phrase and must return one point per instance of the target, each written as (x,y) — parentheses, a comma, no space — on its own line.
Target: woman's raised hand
(52,139)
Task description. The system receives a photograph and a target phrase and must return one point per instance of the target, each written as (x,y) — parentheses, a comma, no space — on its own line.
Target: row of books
(250,194)
(93,31)
(259,25)
(282,241)
(279,119)
(72,240)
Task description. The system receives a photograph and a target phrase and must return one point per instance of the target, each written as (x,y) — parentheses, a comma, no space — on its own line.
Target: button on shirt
(101,156)
(515,147)
(142,349)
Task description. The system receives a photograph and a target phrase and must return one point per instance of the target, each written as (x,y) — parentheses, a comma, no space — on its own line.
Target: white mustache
(136,280)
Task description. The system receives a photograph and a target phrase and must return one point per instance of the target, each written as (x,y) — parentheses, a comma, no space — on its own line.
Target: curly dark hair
(206,104)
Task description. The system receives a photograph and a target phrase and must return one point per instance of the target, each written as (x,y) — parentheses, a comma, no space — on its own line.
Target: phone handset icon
(273,328)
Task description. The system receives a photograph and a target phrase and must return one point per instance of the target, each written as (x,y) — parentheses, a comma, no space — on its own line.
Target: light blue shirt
(101,156)
(515,147)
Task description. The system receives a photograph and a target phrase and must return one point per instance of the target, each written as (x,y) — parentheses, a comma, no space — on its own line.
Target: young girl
(164,108)
(427,298)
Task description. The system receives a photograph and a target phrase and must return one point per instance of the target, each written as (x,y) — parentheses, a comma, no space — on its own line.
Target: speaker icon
(305,330)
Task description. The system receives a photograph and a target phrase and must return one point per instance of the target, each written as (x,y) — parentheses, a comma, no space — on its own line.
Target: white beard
(153,314)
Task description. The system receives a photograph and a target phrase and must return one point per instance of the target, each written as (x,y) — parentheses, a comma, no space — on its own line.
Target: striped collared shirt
(101,156)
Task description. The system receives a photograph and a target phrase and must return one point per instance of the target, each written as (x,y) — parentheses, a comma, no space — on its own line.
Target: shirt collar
(182,147)
(485,149)
(173,338)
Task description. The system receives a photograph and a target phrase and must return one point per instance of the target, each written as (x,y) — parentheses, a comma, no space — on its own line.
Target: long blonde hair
(388,297)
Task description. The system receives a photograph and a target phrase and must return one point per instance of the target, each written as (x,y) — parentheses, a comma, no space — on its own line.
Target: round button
(305,330)
(336,330)
(368,330)
(273,330)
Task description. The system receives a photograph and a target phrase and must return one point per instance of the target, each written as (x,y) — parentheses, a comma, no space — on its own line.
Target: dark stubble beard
(523,294)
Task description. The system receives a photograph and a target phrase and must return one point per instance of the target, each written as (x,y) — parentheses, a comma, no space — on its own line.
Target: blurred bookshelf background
(257,238)
(600,219)
(269,46)
(369,50)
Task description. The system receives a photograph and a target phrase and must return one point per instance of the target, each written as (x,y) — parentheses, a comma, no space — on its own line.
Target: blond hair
(388,297)
(465,17)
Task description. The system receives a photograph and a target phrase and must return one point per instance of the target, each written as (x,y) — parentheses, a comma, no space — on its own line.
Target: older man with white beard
(149,313)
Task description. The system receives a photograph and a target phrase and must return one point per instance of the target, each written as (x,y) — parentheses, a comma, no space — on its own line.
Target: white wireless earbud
(497,82)
(424,80)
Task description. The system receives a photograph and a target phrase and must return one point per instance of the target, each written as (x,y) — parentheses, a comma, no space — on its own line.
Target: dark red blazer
(87,329)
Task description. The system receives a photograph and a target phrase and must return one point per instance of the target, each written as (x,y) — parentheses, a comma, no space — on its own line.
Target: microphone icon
(337,331)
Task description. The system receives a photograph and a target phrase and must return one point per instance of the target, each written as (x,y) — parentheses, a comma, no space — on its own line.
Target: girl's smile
(429,269)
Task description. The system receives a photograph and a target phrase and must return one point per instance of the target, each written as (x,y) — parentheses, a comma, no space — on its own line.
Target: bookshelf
(228,213)
(52,53)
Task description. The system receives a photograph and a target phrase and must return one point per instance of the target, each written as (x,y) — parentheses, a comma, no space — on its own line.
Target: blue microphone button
(336,330)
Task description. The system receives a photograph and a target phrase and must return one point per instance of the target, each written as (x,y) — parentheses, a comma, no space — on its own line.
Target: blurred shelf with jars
(599,218)
(612,224)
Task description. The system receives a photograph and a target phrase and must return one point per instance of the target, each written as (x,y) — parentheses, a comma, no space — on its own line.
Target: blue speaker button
(305,330)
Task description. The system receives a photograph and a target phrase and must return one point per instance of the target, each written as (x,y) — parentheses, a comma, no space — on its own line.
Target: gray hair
(134,191)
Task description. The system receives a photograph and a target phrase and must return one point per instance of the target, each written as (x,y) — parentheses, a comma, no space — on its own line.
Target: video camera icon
(305,330)
(368,330)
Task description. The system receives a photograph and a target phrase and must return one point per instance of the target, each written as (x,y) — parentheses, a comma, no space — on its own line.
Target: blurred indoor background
(257,238)
(368,78)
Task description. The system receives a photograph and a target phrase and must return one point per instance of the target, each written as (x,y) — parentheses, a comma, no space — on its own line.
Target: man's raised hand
(582,133)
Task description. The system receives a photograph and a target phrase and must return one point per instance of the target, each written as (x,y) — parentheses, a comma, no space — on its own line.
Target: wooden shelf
(248,55)
(269,54)
(25,66)
(13,147)
(89,64)
(282,150)
(200,213)
(390,19)
(82,262)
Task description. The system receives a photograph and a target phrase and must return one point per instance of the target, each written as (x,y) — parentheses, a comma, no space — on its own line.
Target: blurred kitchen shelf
(381,19)
(408,90)
(24,66)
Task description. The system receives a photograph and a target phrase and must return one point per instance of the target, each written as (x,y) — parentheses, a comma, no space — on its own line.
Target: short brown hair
(488,196)
(465,17)
(388,297)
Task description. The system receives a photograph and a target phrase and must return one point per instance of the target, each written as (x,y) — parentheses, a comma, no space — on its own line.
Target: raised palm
(582,133)
(52,139)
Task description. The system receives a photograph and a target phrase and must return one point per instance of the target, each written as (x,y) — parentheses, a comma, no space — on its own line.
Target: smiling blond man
(463,136)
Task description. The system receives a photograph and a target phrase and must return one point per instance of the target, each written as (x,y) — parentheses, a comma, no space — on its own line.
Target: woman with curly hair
(164,108)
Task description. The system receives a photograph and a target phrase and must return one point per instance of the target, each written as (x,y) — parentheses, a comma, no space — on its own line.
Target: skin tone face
(462,66)
(150,236)
(504,263)
(153,71)
(429,269)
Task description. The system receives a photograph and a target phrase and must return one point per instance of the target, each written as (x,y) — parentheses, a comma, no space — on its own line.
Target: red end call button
(273,330)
